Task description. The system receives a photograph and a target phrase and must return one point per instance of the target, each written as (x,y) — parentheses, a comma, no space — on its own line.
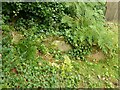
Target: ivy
(81,24)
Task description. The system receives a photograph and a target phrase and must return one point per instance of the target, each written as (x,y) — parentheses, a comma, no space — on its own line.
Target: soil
(96,57)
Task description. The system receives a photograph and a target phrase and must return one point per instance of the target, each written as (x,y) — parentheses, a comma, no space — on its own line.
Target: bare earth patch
(96,57)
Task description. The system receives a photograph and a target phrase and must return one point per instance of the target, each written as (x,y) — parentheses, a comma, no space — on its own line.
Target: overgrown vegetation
(29,62)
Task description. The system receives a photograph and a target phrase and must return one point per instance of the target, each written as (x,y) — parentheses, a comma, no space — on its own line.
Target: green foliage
(44,15)
(22,68)
(42,49)
(57,54)
(82,25)
(86,29)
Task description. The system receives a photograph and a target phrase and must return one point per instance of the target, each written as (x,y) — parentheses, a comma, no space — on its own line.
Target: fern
(87,28)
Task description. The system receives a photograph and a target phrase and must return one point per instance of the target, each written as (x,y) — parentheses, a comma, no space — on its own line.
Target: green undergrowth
(97,75)
(26,64)
(31,57)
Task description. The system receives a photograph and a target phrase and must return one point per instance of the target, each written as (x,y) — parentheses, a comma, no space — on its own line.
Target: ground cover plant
(58,45)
